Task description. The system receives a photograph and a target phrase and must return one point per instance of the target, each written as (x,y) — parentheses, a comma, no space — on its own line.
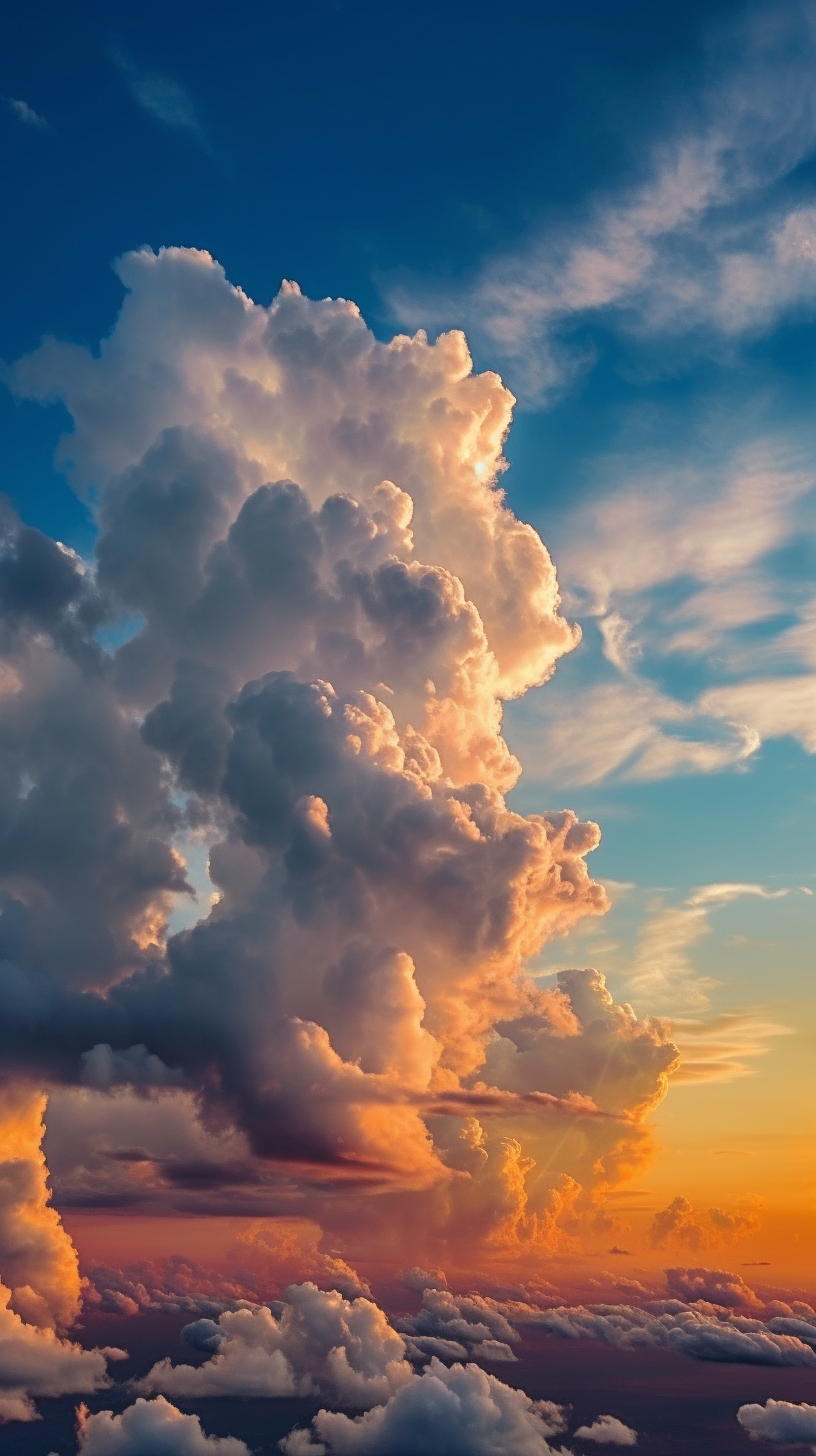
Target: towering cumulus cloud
(321,600)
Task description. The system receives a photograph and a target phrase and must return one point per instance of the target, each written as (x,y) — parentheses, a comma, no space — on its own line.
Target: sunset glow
(407,704)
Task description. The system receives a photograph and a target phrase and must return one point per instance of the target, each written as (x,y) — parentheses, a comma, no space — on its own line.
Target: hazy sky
(389,900)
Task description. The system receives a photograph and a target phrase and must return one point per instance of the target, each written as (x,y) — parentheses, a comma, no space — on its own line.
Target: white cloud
(676,574)
(460,1409)
(780,1421)
(708,524)
(662,972)
(720,893)
(478,1327)
(609,1430)
(26,114)
(321,1344)
(150,1428)
(628,730)
(768,707)
(35,1362)
(704,245)
(163,98)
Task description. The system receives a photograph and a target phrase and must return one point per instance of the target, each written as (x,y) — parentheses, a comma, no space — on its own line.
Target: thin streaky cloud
(682,562)
(162,97)
(704,245)
(663,973)
(25,113)
(721,893)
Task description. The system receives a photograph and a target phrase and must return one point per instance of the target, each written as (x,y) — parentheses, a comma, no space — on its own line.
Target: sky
(407,704)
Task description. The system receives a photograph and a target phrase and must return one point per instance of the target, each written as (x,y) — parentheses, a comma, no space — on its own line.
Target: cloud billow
(331,602)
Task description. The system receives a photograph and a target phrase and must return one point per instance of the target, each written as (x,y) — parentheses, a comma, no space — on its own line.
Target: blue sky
(617,204)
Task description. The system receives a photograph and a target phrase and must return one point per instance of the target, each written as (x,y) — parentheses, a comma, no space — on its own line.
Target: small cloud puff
(681,1223)
(161,97)
(460,1410)
(25,113)
(781,1421)
(150,1428)
(610,1430)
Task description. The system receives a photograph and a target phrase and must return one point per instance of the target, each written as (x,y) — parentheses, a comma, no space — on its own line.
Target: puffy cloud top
(321,601)
(780,1421)
(608,1430)
(321,1343)
(151,1428)
(460,1411)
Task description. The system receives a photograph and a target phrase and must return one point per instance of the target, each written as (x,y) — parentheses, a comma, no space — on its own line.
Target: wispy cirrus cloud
(162,97)
(695,574)
(721,1048)
(25,113)
(707,242)
(663,973)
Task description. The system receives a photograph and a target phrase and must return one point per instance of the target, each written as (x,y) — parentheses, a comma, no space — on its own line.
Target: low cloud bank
(673,1325)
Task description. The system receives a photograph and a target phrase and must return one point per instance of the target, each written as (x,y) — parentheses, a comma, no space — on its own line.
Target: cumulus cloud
(174,1284)
(780,1421)
(41,1290)
(680,1222)
(37,1259)
(331,604)
(465,1324)
(35,1361)
(321,1344)
(461,1409)
(150,1428)
(609,1430)
(716,1286)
